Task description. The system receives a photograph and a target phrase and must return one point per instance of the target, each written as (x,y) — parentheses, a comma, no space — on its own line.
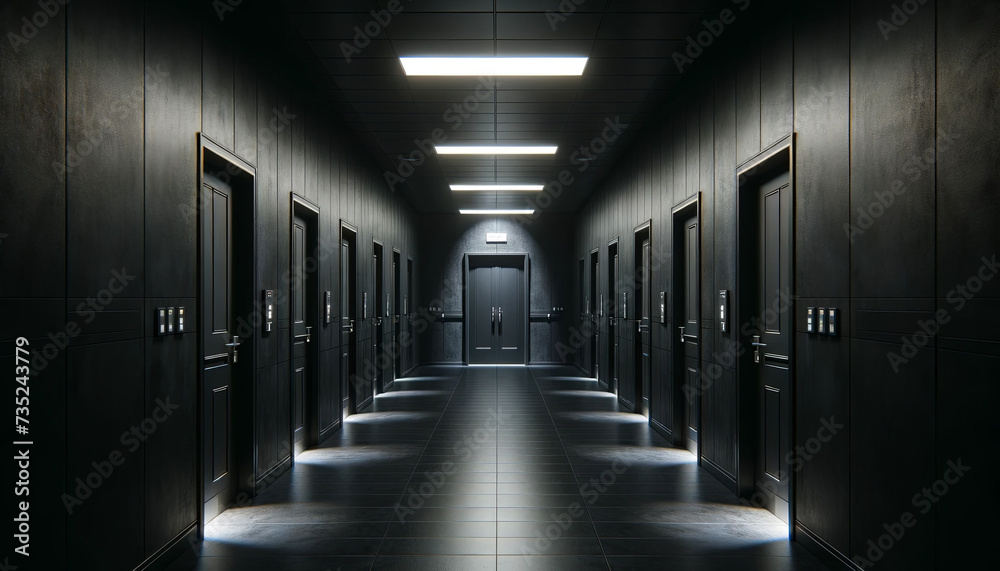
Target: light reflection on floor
(424,479)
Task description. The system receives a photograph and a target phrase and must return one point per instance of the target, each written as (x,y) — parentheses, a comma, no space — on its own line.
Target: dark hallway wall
(894,132)
(101,109)
(444,241)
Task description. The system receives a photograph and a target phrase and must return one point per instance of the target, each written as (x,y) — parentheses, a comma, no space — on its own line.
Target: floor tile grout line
(402,495)
(576,478)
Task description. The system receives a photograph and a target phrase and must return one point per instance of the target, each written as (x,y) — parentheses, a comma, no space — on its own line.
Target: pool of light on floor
(633,456)
(345,456)
(390,417)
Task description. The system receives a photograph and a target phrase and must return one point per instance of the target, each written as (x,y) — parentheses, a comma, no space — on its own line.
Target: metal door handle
(500,315)
(308,334)
(234,346)
(493,315)
(756,348)
(349,327)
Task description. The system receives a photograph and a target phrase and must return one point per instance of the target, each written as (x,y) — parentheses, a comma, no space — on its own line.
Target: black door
(378,318)
(689,289)
(613,315)
(595,311)
(397,321)
(221,347)
(301,330)
(348,329)
(497,314)
(643,345)
(772,341)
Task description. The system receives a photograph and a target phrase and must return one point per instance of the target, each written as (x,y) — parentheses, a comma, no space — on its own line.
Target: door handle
(500,315)
(493,315)
(756,348)
(349,327)
(309,334)
(234,347)
(684,334)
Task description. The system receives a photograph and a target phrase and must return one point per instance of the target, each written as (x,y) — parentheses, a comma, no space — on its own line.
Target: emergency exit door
(496,310)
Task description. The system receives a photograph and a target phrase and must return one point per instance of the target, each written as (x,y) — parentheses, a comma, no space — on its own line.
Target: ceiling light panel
(493,66)
(495,150)
(498,187)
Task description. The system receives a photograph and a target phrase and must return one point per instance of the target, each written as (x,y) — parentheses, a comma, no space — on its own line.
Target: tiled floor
(497,468)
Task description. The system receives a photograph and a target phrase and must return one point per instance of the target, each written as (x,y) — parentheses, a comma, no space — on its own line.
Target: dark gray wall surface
(869,106)
(98,168)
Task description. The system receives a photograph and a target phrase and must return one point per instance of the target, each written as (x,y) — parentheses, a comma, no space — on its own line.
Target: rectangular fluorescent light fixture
(498,212)
(495,150)
(496,187)
(494,66)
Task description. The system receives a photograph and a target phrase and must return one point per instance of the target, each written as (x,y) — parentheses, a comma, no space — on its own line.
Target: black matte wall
(868,106)
(101,111)
(445,239)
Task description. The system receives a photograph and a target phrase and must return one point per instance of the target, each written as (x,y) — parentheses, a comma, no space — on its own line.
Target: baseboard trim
(171,551)
(823,551)
(663,431)
(727,479)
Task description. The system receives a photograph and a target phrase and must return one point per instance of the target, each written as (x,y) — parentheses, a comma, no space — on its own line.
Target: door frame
(396,318)
(465,298)
(379,385)
(305,208)
(350,233)
(243,180)
(594,312)
(679,425)
(778,158)
(640,234)
(611,306)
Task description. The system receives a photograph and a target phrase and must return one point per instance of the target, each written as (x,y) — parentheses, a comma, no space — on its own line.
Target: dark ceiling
(629,75)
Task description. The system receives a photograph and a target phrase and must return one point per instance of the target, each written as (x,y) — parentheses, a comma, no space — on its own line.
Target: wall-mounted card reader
(832,317)
(810,320)
(663,307)
(180,320)
(328,303)
(268,309)
(170,321)
(724,310)
(161,321)
(821,328)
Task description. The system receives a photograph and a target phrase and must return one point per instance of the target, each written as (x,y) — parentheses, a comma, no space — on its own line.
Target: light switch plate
(832,321)
(810,320)
(821,328)
(180,320)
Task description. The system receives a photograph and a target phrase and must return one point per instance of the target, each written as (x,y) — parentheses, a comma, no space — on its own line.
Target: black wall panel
(171,400)
(966,425)
(33,156)
(218,116)
(173,116)
(104,100)
(245,111)
(822,130)
(891,426)
(892,120)
(823,477)
(105,387)
(968,151)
